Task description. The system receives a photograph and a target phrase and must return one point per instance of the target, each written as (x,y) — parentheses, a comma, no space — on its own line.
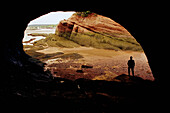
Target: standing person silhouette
(131,65)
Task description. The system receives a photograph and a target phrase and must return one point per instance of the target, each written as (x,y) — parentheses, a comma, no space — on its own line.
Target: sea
(31,39)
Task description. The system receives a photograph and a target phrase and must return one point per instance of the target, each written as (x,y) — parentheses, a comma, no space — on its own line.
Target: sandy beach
(108,62)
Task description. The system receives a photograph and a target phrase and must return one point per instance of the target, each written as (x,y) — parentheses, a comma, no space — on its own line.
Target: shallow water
(28,38)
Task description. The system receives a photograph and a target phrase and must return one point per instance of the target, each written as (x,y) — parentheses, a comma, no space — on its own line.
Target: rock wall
(65,26)
(92,23)
(13,56)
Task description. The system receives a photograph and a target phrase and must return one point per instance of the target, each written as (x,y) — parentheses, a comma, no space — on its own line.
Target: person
(131,65)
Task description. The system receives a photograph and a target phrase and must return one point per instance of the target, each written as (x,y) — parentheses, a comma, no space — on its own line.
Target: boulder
(86,66)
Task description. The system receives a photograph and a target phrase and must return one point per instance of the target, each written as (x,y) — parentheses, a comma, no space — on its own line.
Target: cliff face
(92,23)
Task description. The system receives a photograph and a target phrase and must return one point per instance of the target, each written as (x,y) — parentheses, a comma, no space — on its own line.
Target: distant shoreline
(28,35)
(42,24)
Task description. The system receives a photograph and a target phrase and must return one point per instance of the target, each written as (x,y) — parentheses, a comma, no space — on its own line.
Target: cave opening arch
(95,32)
(14,56)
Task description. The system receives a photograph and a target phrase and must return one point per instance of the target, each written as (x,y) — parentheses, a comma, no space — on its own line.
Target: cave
(22,77)
(54,40)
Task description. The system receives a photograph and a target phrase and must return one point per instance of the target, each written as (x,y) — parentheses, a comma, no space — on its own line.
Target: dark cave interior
(18,85)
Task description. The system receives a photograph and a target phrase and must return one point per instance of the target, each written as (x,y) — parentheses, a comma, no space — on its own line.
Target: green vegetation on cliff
(53,40)
(84,13)
(90,40)
(105,42)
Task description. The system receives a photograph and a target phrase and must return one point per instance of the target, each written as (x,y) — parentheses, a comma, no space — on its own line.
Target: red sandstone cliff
(92,23)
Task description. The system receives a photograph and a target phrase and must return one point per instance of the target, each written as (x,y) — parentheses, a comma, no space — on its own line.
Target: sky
(52,18)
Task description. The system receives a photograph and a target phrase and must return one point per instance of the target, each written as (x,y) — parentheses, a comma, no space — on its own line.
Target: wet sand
(108,62)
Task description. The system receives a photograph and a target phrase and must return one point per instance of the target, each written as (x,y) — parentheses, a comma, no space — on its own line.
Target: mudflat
(107,64)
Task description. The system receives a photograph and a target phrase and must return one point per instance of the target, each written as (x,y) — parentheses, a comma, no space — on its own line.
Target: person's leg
(132,71)
(129,71)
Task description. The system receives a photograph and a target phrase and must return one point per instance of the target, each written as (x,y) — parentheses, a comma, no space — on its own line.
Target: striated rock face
(92,23)
(65,26)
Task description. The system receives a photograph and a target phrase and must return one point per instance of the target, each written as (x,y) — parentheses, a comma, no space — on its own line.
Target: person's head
(131,57)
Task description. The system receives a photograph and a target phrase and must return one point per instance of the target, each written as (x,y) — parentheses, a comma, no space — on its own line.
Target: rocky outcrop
(92,23)
(65,26)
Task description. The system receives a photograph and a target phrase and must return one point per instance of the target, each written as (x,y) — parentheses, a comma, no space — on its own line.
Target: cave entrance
(77,45)
(43,26)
